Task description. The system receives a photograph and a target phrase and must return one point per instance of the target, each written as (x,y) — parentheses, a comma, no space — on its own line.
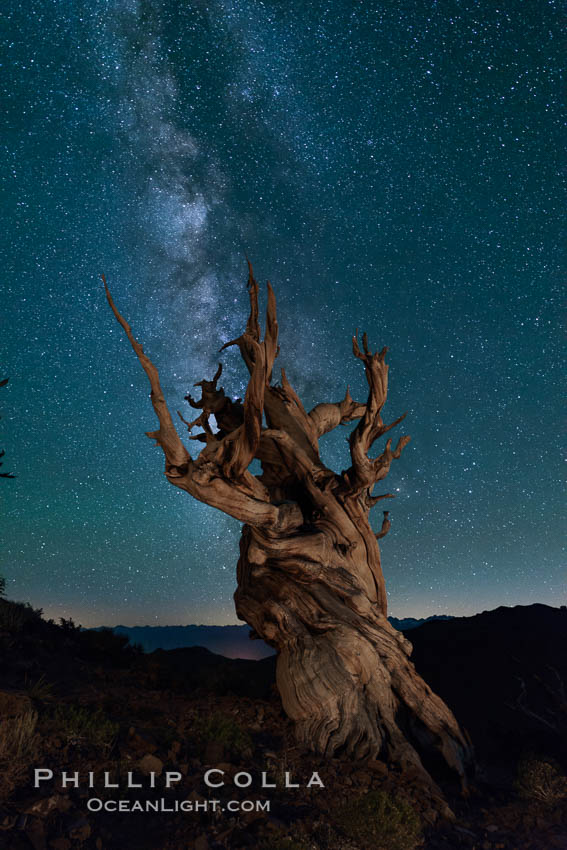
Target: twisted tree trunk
(309,576)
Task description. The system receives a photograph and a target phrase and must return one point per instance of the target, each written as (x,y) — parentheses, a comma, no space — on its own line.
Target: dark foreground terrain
(74,701)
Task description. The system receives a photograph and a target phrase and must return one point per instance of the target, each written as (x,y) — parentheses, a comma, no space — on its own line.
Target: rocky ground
(73,701)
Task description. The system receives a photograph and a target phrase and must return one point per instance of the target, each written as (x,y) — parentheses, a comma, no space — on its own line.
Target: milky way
(392,167)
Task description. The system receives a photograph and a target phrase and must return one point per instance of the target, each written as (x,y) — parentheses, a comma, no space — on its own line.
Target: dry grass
(541,779)
(18,746)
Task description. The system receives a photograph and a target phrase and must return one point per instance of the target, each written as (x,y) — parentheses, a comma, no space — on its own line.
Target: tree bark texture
(310,581)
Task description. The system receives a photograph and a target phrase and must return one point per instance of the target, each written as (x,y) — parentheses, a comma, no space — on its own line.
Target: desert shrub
(224,730)
(541,779)
(14,616)
(105,644)
(18,746)
(69,625)
(379,821)
(75,724)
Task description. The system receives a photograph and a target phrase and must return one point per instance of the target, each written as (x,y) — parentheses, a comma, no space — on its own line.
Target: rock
(150,764)
(140,742)
(214,752)
(60,844)
(35,834)
(44,806)
(174,751)
(251,817)
(79,829)
(228,768)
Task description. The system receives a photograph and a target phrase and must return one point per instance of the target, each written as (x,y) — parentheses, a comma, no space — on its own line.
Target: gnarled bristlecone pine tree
(309,576)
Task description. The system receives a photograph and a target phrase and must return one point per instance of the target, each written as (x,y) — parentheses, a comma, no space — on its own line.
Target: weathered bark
(310,581)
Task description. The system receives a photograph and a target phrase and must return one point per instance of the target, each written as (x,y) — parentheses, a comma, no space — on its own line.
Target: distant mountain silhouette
(408,623)
(230,641)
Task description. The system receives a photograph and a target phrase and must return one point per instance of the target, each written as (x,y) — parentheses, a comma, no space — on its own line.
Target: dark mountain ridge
(231,641)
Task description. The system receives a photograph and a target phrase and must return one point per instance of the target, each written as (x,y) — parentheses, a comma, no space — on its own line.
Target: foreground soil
(78,703)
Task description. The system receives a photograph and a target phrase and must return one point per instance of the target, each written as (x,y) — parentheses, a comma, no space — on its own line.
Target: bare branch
(365,471)
(202,420)
(252,332)
(382,463)
(5,474)
(385,526)
(241,444)
(252,325)
(371,501)
(177,459)
(325,417)
(3,383)
(244,441)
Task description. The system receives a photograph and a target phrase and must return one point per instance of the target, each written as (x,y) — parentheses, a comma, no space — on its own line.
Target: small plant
(379,821)
(18,745)
(278,770)
(76,724)
(224,730)
(40,690)
(541,779)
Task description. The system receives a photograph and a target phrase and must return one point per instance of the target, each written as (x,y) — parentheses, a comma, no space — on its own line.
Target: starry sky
(391,166)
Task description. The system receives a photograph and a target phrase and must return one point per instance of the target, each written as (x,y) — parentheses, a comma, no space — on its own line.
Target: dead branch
(327,416)
(385,526)
(177,458)
(365,471)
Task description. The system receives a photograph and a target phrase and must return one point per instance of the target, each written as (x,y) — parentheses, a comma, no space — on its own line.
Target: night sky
(389,166)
